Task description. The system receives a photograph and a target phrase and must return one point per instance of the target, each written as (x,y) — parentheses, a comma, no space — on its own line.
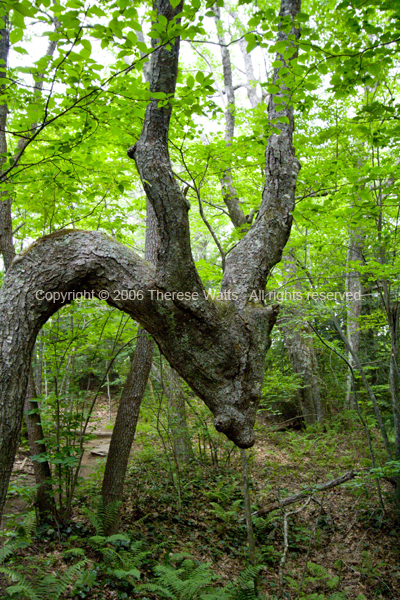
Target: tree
(45,500)
(218,347)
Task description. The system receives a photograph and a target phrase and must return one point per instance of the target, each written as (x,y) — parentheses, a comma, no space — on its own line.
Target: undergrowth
(193,545)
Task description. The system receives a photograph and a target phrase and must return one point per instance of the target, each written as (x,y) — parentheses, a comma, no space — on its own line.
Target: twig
(309,549)
(308,492)
(286,540)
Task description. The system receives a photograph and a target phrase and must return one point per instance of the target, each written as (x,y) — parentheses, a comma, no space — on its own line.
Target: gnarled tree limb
(218,347)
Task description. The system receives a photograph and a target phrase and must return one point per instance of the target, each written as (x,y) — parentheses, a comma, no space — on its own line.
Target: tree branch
(249,263)
(323,487)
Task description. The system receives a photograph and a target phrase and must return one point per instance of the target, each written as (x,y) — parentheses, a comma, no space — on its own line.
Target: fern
(243,588)
(192,581)
(86,580)
(189,582)
(22,538)
(104,515)
(45,586)
(157,589)
(23,586)
(7,551)
(26,529)
(248,576)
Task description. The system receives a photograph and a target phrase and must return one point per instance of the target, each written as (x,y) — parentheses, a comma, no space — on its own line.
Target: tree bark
(46,508)
(229,192)
(300,347)
(131,398)
(6,238)
(44,497)
(354,306)
(218,347)
(252,95)
(135,386)
(125,423)
(263,245)
(177,417)
(392,312)
(299,342)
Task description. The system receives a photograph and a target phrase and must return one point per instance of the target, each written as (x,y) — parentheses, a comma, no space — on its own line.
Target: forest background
(73,78)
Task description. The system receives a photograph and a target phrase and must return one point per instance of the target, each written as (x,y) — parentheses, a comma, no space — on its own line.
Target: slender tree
(44,497)
(132,395)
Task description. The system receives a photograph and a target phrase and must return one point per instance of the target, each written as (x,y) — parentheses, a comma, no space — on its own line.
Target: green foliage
(344,89)
(190,580)
(103,517)
(44,586)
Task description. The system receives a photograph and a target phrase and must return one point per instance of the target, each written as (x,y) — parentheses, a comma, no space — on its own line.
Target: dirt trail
(23,473)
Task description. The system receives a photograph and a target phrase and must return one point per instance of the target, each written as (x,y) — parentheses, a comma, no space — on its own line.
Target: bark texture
(6,238)
(125,423)
(262,246)
(44,498)
(229,192)
(131,398)
(45,505)
(300,346)
(354,306)
(218,347)
(177,417)
(299,343)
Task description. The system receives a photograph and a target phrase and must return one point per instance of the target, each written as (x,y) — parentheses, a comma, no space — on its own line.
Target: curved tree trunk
(218,350)
(45,504)
(218,347)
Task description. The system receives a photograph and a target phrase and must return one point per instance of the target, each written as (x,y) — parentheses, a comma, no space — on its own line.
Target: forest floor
(341,546)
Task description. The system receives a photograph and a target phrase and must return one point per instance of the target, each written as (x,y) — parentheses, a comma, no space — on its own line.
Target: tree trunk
(39,370)
(300,346)
(6,238)
(252,95)
(132,395)
(218,347)
(46,508)
(370,392)
(44,497)
(229,192)
(299,342)
(177,417)
(392,312)
(125,423)
(354,306)
(182,446)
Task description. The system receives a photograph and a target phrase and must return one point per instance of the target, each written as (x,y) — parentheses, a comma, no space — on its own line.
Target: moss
(60,233)
(56,234)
